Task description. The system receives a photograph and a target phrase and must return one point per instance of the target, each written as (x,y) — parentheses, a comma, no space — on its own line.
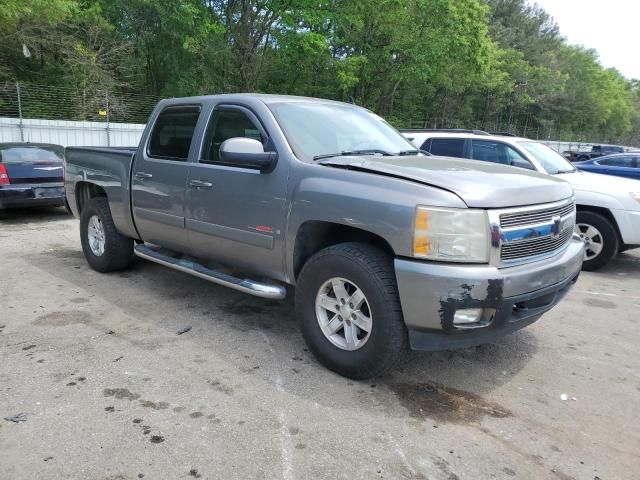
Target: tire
(371,271)
(610,243)
(117,249)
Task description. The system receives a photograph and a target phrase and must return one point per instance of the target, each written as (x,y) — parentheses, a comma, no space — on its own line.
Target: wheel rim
(593,241)
(343,313)
(95,235)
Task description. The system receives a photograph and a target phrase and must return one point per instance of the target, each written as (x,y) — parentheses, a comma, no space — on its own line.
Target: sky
(611,27)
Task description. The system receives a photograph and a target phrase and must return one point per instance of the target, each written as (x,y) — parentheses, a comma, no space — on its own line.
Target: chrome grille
(527,233)
(546,215)
(534,246)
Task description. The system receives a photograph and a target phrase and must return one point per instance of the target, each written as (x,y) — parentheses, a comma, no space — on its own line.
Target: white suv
(608,207)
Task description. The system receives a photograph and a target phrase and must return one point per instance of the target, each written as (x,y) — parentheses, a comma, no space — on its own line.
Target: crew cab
(387,248)
(608,208)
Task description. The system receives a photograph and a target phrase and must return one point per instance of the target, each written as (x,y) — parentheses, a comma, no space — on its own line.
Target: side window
(617,162)
(426,146)
(226,124)
(498,152)
(172,133)
(447,147)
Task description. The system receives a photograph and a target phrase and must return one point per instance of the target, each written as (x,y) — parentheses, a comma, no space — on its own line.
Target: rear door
(234,214)
(160,177)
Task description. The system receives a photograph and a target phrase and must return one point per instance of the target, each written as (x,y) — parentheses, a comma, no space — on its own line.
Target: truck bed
(109,168)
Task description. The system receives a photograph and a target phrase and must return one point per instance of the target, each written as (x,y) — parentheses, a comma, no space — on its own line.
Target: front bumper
(431,293)
(21,195)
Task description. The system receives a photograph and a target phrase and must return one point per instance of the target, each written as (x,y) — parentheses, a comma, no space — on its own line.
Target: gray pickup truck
(389,249)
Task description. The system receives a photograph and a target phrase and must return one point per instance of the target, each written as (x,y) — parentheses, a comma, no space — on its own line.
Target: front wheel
(600,238)
(105,249)
(348,305)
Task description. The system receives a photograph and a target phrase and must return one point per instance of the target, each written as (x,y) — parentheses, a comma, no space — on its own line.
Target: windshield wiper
(413,152)
(566,171)
(371,151)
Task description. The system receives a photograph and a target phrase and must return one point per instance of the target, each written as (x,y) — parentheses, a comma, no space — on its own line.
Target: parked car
(595,152)
(608,208)
(31,175)
(387,248)
(620,165)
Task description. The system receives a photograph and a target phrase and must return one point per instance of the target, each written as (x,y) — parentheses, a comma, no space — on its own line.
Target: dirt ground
(109,390)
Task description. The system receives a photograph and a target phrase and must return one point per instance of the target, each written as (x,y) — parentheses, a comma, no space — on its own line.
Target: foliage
(491,64)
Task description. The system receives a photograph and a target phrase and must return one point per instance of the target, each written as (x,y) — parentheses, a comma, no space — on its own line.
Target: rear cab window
(172,133)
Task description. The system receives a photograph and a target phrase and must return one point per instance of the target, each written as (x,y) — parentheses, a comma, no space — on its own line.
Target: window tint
(617,162)
(173,131)
(448,147)
(30,154)
(226,124)
(497,152)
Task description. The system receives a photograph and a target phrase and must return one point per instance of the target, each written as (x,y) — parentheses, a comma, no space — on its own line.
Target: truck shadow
(31,215)
(260,338)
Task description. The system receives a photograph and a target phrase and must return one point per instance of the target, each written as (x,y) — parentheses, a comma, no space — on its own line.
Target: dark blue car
(621,165)
(31,174)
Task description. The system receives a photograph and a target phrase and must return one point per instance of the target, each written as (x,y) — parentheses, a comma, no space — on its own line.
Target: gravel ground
(111,391)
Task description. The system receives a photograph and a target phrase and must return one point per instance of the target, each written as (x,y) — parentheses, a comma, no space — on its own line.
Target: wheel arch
(313,236)
(605,212)
(85,191)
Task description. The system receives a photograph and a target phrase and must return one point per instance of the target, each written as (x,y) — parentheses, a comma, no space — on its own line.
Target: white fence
(68,133)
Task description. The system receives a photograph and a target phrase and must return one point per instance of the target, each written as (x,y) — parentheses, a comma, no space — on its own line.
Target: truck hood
(478,184)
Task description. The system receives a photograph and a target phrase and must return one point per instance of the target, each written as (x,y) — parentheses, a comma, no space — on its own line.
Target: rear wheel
(105,249)
(348,305)
(600,237)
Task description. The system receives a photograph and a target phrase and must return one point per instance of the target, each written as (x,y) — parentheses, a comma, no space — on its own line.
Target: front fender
(375,203)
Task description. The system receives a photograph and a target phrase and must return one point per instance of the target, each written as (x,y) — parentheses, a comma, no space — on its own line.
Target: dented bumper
(512,297)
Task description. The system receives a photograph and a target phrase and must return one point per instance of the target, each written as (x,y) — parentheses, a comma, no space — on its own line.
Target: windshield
(317,129)
(550,160)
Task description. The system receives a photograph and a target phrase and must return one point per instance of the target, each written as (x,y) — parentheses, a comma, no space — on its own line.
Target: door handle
(143,175)
(200,184)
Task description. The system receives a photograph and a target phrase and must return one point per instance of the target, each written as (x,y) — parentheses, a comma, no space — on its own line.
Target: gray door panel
(159,178)
(240,217)
(239,220)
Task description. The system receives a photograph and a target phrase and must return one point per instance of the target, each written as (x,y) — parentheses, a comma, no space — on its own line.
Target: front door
(160,178)
(236,215)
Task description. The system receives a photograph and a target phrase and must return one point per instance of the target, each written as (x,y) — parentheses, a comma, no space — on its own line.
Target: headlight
(635,196)
(451,234)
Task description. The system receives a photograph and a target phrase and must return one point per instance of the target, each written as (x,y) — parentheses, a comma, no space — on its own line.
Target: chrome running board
(263,290)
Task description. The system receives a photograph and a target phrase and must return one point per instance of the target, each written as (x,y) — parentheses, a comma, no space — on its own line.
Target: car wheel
(600,238)
(348,305)
(105,249)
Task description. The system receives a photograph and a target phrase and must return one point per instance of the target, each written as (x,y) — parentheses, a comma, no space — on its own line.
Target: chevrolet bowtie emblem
(555,228)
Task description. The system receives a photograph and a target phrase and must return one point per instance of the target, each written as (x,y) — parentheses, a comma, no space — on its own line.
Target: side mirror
(247,153)
(520,163)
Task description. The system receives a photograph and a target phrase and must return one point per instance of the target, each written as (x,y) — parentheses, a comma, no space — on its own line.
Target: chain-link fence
(26,100)
(72,116)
